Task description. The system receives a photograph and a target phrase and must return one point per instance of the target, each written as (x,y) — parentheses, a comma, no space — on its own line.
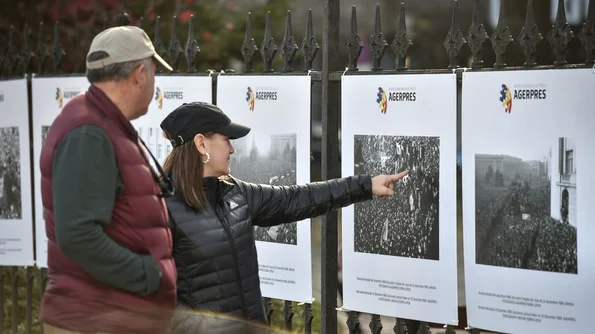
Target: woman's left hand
(382,185)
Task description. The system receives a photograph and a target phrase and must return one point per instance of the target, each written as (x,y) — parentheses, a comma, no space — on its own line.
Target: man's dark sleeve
(85,181)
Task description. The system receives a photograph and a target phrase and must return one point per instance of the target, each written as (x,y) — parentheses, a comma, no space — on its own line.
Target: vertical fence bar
(330,161)
(560,35)
(587,35)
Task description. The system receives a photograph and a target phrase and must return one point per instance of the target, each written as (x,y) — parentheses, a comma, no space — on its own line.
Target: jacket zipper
(227,229)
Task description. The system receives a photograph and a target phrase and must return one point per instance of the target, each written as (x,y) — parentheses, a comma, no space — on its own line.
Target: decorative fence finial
(122,19)
(501,38)
(560,35)
(309,44)
(476,37)
(454,39)
(191,49)
(268,49)
(401,41)
(58,52)
(530,36)
(249,46)
(175,49)
(377,42)
(42,50)
(289,46)
(353,44)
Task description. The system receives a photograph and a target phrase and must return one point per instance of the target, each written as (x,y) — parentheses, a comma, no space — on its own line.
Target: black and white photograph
(10,174)
(267,159)
(405,225)
(525,207)
(44,134)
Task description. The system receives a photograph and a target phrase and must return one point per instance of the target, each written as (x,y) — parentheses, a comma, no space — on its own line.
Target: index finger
(397,177)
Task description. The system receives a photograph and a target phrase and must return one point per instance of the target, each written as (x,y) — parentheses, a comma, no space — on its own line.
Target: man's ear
(138,75)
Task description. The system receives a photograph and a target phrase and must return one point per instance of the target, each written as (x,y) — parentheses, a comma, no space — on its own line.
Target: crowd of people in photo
(277,168)
(10,174)
(405,225)
(514,227)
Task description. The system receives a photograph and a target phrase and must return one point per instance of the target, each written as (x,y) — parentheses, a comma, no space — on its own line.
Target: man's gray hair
(114,72)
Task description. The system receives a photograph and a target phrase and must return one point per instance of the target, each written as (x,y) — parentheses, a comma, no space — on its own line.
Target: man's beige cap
(123,44)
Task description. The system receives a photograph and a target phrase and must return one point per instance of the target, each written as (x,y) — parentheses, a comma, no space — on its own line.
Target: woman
(213,214)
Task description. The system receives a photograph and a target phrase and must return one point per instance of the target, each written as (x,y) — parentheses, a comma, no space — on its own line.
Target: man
(109,246)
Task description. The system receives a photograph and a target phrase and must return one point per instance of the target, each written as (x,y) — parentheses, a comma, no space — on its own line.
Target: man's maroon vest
(74,299)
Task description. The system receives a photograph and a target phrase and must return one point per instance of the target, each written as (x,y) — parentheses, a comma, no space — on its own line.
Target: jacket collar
(105,106)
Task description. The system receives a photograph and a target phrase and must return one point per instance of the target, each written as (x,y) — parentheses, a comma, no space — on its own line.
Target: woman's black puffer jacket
(215,252)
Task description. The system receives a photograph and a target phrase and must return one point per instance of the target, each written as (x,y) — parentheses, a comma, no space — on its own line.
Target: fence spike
(175,49)
(449,329)
(424,327)
(454,39)
(122,19)
(29,302)
(353,44)
(401,41)
(501,37)
(158,42)
(587,35)
(141,22)
(476,37)
(307,316)
(310,46)
(105,23)
(42,50)
(289,46)
(14,275)
(1,278)
(288,314)
(28,54)
(377,42)
(269,309)
(399,327)
(560,35)
(12,55)
(268,48)
(353,322)
(530,36)
(191,49)
(249,45)
(58,52)
(376,324)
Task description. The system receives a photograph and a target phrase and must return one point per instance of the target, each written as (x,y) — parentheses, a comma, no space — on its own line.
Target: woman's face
(220,149)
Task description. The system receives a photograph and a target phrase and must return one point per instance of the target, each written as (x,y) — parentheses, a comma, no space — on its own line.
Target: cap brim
(233,130)
(162,62)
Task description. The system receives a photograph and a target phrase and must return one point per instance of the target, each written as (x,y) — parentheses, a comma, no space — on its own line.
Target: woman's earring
(208,158)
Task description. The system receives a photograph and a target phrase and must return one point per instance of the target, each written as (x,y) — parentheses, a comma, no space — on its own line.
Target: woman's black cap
(190,119)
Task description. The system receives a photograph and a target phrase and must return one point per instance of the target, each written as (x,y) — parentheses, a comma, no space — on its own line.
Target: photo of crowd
(406,224)
(277,167)
(516,224)
(10,174)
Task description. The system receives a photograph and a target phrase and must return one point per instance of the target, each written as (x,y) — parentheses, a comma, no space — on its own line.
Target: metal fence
(14,62)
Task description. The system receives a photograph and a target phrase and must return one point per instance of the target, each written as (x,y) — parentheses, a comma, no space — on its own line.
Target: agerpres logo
(261,94)
(168,93)
(394,95)
(521,92)
(63,94)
